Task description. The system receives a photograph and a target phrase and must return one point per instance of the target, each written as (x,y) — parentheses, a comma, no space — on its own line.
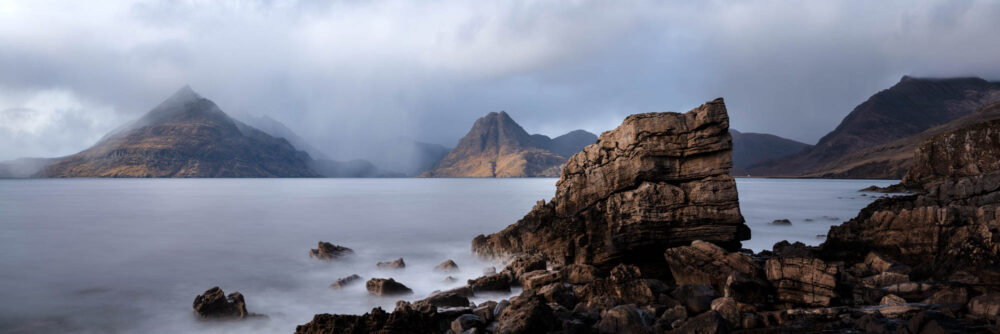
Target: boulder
(892,300)
(328,251)
(539,278)
(706,323)
(527,313)
(659,180)
(446,299)
(704,263)
(447,266)
(343,282)
(466,322)
(986,306)
(394,264)
(579,274)
(804,281)
(625,319)
(495,282)
(406,318)
(386,287)
(949,298)
(696,298)
(728,309)
(215,304)
(524,264)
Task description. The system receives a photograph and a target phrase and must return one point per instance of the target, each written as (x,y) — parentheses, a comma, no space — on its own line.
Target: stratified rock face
(659,180)
(952,224)
(185,136)
(496,146)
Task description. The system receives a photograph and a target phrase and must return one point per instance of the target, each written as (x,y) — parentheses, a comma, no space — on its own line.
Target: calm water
(130,255)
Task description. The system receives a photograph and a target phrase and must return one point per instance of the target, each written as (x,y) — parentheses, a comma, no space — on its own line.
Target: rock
(559,294)
(986,306)
(539,278)
(625,319)
(910,290)
(466,322)
(746,290)
(892,300)
(501,305)
(450,279)
(706,323)
(527,313)
(659,180)
(880,264)
(625,285)
(665,321)
(524,264)
(485,311)
(406,318)
(704,263)
(782,222)
(446,299)
(697,298)
(806,281)
(216,305)
(386,287)
(950,298)
(328,251)
(728,309)
(394,264)
(885,279)
(489,270)
(447,266)
(495,282)
(579,274)
(343,282)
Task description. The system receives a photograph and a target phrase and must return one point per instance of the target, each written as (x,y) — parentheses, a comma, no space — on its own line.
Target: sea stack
(659,180)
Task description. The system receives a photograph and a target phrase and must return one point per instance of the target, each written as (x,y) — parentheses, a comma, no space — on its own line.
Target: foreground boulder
(386,287)
(659,180)
(328,251)
(215,304)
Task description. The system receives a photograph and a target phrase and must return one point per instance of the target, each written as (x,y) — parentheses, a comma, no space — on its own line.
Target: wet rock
(344,282)
(659,180)
(495,282)
(950,298)
(485,311)
(559,294)
(625,319)
(446,299)
(538,278)
(910,290)
(697,298)
(527,313)
(885,279)
(328,251)
(892,300)
(501,305)
(386,287)
(579,274)
(782,222)
(406,318)
(215,304)
(669,317)
(704,263)
(728,309)
(394,264)
(466,322)
(524,264)
(709,323)
(447,266)
(987,306)
(806,281)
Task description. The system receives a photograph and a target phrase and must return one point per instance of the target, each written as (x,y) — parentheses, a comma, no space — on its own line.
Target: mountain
(754,148)
(909,107)
(893,159)
(185,136)
(496,146)
(22,168)
(570,143)
(277,129)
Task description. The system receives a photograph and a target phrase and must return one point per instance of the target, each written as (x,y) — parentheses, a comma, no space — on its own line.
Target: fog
(345,74)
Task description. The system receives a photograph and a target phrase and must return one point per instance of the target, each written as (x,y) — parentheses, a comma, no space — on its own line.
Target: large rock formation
(952,224)
(496,146)
(185,136)
(908,108)
(659,180)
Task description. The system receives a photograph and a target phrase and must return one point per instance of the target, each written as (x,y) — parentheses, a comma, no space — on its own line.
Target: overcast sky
(345,73)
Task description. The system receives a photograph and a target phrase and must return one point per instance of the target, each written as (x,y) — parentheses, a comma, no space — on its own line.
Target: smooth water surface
(100,256)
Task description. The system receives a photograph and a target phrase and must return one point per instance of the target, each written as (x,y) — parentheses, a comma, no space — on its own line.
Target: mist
(346,75)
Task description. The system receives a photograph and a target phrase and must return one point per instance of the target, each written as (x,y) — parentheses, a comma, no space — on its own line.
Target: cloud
(346,73)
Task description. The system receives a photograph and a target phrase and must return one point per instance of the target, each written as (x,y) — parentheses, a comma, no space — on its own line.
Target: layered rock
(659,180)
(386,287)
(952,224)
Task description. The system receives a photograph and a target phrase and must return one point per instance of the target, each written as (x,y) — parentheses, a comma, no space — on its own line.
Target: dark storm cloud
(347,73)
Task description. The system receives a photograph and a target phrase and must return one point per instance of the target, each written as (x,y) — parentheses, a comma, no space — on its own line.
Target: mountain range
(496,146)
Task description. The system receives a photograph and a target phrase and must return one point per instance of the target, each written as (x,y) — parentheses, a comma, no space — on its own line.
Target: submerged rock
(386,287)
(446,266)
(343,282)
(328,251)
(781,222)
(394,264)
(659,180)
(215,304)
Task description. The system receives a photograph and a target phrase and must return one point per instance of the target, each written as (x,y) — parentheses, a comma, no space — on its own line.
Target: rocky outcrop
(447,266)
(394,264)
(344,282)
(951,224)
(214,304)
(327,251)
(659,180)
(386,287)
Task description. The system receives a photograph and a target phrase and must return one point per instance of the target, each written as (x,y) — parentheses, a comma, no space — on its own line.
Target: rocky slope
(658,180)
(908,108)
(751,149)
(185,136)
(496,146)
(914,264)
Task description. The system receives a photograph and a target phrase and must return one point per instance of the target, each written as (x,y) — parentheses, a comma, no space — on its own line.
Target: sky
(344,74)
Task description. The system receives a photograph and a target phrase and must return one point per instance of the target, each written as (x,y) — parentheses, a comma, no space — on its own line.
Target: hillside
(754,148)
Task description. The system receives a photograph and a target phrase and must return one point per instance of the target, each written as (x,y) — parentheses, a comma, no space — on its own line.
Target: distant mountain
(496,146)
(277,129)
(568,144)
(185,136)
(754,148)
(907,108)
(22,168)
(892,160)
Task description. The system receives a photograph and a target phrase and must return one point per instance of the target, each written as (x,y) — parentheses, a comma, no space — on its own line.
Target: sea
(130,255)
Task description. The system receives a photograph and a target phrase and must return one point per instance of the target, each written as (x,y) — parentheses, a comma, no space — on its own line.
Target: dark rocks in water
(344,282)
(495,282)
(214,304)
(447,299)
(394,264)
(781,222)
(327,251)
(659,180)
(386,287)
(446,266)
(466,322)
(406,318)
